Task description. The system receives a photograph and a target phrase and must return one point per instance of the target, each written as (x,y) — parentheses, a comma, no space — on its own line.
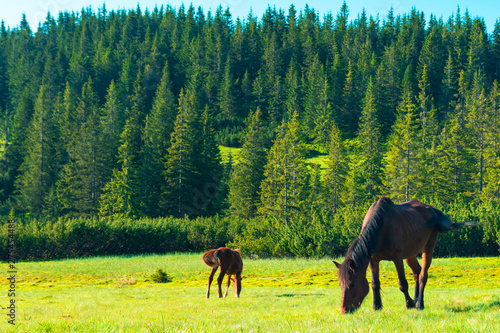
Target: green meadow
(116,294)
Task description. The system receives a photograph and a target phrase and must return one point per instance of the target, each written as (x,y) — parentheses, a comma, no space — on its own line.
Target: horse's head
(353,284)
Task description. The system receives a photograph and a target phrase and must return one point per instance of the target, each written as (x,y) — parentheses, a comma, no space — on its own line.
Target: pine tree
(16,145)
(371,146)
(157,132)
(210,169)
(477,126)
(38,171)
(350,109)
(79,187)
(247,176)
(401,162)
(426,181)
(284,174)
(181,172)
(122,194)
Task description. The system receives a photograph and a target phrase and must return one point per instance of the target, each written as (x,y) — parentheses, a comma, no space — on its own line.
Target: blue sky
(36,10)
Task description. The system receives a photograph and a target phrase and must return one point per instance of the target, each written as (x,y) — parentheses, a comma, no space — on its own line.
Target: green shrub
(160,276)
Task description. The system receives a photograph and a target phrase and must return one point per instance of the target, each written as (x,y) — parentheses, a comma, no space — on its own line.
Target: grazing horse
(392,232)
(230,262)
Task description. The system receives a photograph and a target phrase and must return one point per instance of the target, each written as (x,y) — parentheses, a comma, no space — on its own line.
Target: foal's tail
(211,259)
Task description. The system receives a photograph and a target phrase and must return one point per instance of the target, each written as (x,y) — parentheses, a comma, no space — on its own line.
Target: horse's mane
(363,247)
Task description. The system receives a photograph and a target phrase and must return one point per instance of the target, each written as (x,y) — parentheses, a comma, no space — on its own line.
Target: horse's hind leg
(403,283)
(228,283)
(416,269)
(237,284)
(220,279)
(426,263)
(377,301)
(210,279)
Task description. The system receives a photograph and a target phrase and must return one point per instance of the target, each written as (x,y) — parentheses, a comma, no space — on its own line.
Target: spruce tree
(248,172)
(122,194)
(284,174)
(38,171)
(80,185)
(401,162)
(181,171)
(156,140)
(371,144)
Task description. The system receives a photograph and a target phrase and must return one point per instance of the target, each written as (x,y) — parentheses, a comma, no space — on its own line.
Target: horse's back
(418,230)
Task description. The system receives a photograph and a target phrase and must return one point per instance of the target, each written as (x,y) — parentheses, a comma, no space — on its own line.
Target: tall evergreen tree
(79,187)
(157,132)
(401,162)
(244,187)
(122,194)
(39,169)
(181,172)
(371,144)
(284,174)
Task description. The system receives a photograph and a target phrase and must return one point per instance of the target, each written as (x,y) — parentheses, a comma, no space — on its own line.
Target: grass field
(116,294)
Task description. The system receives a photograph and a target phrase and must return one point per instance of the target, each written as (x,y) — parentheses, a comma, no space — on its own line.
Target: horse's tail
(456,226)
(210,258)
(444,224)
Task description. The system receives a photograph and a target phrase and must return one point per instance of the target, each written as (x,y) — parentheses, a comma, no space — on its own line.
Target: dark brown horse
(392,232)
(230,262)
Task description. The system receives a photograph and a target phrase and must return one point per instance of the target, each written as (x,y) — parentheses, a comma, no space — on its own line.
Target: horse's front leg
(220,279)
(228,283)
(377,301)
(210,279)
(403,283)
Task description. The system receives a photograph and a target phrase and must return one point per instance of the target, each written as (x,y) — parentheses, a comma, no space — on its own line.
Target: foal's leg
(237,284)
(220,279)
(210,278)
(377,301)
(228,283)
(403,284)
(416,269)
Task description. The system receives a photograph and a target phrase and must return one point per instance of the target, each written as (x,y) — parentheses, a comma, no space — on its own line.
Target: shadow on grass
(459,307)
(299,295)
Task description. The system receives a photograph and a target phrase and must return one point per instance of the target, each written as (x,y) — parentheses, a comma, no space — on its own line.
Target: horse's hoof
(377,306)
(410,304)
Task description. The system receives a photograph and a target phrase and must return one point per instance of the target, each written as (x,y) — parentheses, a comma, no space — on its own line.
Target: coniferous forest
(112,124)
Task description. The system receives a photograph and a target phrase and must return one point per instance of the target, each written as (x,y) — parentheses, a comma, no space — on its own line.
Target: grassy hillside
(116,294)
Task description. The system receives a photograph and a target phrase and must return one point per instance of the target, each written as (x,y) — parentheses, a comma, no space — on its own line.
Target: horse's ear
(352,265)
(337,264)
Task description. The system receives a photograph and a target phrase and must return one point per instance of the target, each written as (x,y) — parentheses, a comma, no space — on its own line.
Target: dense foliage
(315,236)
(118,115)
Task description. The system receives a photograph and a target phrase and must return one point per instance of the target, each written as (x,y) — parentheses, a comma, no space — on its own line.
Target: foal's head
(353,285)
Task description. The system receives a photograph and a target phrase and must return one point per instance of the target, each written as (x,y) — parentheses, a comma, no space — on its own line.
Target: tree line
(121,113)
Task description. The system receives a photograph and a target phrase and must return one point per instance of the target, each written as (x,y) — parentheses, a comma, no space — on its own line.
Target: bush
(160,276)
(320,234)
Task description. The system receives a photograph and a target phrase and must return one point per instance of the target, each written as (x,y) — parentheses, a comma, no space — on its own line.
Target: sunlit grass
(278,295)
